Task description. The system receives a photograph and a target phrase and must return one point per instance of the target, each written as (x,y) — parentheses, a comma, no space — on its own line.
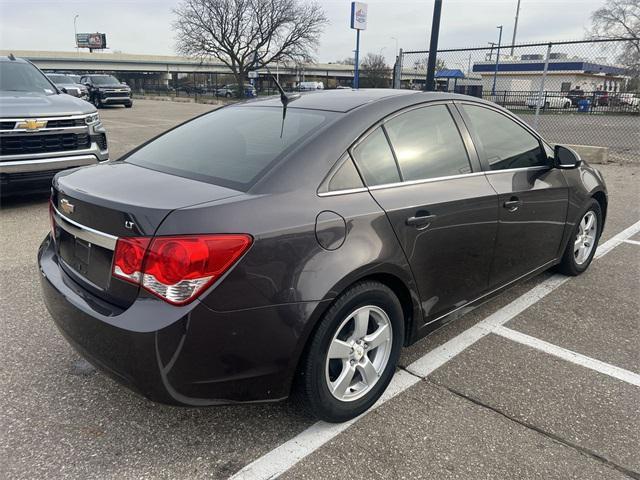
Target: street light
(75,31)
(495,73)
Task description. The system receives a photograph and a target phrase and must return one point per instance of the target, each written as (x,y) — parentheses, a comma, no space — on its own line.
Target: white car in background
(548,101)
(310,86)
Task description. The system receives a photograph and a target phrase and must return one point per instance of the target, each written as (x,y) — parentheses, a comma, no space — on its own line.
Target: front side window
(375,160)
(505,143)
(427,144)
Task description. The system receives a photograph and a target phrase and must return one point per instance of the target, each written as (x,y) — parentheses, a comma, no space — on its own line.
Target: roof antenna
(11,57)
(284,98)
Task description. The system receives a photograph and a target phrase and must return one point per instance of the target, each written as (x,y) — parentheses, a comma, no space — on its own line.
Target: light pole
(396,40)
(75,32)
(495,73)
(433,46)
(515,27)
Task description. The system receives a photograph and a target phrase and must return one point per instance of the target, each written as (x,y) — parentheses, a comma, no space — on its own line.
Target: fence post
(397,71)
(544,78)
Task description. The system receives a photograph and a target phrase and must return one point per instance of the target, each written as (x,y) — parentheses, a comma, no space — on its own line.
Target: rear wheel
(582,245)
(354,352)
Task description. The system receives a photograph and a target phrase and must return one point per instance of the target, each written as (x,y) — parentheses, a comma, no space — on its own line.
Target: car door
(441,206)
(533,195)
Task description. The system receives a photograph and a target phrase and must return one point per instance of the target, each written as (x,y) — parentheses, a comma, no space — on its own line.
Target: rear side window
(375,160)
(427,144)
(346,177)
(505,143)
(233,147)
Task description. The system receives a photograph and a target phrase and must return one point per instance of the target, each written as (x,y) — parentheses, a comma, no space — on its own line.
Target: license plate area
(86,259)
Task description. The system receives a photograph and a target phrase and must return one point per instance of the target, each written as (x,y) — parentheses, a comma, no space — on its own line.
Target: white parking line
(633,242)
(282,458)
(569,355)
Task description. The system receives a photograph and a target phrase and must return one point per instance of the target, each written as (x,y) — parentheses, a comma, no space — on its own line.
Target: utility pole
(433,46)
(75,32)
(495,73)
(515,27)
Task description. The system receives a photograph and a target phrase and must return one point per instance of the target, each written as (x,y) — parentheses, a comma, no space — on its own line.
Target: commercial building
(524,74)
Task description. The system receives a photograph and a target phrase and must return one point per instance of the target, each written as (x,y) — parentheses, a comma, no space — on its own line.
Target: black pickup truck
(107,90)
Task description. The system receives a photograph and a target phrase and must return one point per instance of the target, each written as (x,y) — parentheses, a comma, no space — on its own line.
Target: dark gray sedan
(242,253)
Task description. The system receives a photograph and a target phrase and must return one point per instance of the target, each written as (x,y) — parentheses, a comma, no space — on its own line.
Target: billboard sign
(91,40)
(358,15)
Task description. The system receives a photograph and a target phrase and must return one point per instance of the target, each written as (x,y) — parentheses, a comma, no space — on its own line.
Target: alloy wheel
(358,353)
(585,240)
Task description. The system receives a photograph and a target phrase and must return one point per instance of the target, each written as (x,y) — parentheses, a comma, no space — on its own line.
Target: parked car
(107,90)
(68,85)
(576,95)
(310,86)
(548,101)
(601,98)
(630,99)
(42,129)
(230,90)
(243,250)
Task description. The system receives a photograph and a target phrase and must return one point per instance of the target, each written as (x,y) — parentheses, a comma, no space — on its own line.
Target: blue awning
(447,73)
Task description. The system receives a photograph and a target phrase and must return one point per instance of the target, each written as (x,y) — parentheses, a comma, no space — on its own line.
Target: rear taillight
(177,269)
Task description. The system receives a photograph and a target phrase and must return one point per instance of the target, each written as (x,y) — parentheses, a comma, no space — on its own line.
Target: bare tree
(620,19)
(248,34)
(375,72)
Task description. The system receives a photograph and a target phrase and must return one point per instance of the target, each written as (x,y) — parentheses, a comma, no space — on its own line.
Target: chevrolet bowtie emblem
(31,125)
(66,206)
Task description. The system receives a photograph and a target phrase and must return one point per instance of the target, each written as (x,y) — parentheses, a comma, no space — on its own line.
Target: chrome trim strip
(45,130)
(87,234)
(44,164)
(522,169)
(426,180)
(62,117)
(343,192)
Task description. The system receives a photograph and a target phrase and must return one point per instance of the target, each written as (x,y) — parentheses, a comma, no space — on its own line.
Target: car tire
(228,95)
(567,105)
(546,105)
(128,105)
(340,388)
(576,259)
(96,102)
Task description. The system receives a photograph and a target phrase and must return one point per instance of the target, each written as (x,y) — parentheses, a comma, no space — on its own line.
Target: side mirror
(566,158)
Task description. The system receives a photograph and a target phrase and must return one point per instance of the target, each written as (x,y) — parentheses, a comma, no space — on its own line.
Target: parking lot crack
(556,438)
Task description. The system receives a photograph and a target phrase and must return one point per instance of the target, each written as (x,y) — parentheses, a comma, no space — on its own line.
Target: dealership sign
(359,15)
(91,40)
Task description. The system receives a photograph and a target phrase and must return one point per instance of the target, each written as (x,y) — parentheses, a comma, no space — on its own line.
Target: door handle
(513,204)
(420,222)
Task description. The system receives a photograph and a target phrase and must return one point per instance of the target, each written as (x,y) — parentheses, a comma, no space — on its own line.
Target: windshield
(23,77)
(232,147)
(60,79)
(105,80)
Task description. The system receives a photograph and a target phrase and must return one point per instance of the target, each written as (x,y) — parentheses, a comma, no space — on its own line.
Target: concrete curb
(592,154)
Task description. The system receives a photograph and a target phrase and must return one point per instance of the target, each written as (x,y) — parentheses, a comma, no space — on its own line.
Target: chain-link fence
(579,93)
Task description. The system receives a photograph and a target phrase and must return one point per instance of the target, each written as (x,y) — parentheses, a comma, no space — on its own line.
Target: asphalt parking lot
(540,382)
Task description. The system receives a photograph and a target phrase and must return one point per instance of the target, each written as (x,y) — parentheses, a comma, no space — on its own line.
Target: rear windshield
(232,147)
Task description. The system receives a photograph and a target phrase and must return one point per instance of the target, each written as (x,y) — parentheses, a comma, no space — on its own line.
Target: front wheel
(97,102)
(128,105)
(582,244)
(354,352)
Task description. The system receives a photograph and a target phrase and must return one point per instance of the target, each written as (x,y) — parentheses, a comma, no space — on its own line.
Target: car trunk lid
(95,206)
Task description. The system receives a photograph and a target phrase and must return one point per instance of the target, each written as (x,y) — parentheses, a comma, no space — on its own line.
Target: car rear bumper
(188,355)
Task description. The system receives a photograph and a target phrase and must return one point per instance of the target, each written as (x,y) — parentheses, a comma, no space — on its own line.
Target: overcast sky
(144,26)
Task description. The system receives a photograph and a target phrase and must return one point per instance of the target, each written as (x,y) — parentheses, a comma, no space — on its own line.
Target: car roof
(16,59)
(335,100)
